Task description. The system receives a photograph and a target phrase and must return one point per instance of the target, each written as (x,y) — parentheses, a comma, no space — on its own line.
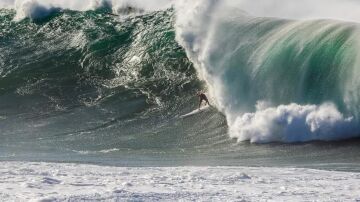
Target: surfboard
(196,111)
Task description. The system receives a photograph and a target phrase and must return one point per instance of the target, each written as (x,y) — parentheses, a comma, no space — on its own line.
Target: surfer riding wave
(202,97)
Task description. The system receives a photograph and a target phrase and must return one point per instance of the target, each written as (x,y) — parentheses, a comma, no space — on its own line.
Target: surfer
(202,97)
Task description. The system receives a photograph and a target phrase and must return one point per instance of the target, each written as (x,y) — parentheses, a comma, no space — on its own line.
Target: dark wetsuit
(202,97)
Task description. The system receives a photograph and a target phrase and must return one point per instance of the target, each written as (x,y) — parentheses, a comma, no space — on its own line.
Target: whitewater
(73,182)
(101,94)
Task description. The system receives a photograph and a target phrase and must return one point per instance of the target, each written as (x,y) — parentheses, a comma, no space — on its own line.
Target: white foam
(293,123)
(77,182)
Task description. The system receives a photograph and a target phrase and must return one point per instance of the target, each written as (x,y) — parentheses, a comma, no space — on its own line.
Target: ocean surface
(89,86)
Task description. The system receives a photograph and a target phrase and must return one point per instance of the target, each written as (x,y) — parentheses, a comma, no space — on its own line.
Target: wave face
(90,82)
(276,79)
(93,83)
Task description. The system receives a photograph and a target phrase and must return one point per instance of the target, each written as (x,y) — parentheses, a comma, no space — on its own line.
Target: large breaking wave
(74,74)
(302,74)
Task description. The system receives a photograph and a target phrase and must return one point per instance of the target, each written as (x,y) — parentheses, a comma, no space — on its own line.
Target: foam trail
(245,59)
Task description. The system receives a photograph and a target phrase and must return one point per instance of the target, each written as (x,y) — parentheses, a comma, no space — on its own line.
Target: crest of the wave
(37,9)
